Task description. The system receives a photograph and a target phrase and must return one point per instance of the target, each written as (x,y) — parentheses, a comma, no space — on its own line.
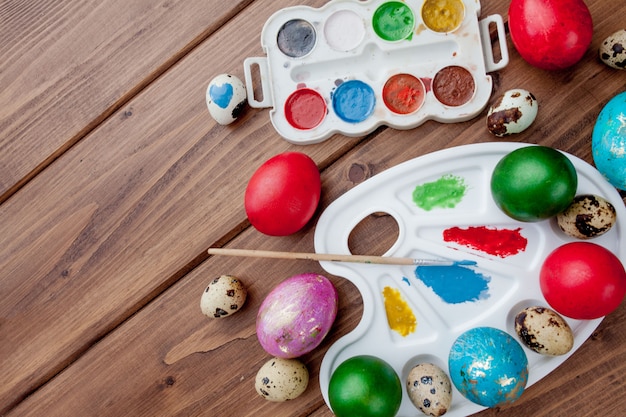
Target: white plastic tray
(514,280)
(372,60)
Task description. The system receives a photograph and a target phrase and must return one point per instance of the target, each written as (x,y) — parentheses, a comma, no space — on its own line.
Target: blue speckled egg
(226,98)
(608,141)
(488,366)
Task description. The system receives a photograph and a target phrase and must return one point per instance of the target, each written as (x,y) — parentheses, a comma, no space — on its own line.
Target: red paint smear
(498,242)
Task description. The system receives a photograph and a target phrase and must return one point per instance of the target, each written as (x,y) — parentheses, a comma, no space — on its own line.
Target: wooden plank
(67,66)
(171,360)
(168,359)
(127,211)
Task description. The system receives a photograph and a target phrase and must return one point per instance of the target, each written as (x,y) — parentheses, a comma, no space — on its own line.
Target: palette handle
(485,36)
(266,97)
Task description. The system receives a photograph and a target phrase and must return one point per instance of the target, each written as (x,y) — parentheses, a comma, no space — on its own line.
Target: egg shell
(513,112)
(587,217)
(429,389)
(488,366)
(224,296)
(364,386)
(544,331)
(582,280)
(296,315)
(612,51)
(608,141)
(281,379)
(226,98)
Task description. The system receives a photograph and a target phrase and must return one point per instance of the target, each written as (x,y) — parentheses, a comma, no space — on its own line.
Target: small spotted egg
(226,98)
(223,296)
(613,50)
(588,216)
(281,379)
(544,331)
(429,389)
(513,112)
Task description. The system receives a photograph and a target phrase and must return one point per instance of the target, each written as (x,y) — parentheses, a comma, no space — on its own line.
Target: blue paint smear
(221,94)
(405,279)
(455,284)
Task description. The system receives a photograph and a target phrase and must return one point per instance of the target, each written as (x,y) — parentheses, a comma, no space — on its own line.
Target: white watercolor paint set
(351,66)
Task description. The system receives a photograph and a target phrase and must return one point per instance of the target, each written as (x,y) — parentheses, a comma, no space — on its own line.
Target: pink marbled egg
(296,315)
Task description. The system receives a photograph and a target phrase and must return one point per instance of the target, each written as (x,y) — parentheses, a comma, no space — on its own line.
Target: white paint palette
(514,279)
(351,66)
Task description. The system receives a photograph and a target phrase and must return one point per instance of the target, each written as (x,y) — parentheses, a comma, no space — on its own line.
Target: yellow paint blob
(443,15)
(399,315)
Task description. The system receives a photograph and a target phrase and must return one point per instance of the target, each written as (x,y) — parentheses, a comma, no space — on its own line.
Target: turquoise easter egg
(488,366)
(608,141)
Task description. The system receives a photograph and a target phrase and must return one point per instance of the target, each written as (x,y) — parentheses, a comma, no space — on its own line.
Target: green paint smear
(446,192)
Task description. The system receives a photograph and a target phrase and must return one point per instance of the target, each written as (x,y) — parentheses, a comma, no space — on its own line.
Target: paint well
(296,38)
(403,93)
(354,101)
(344,30)
(454,284)
(305,109)
(453,86)
(393,21)
(445,192)
(400,317)
(443,15)
(493,241)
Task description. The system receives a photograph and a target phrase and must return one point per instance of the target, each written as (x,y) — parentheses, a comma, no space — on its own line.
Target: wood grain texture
(103,253)
(143,193)
(67,66)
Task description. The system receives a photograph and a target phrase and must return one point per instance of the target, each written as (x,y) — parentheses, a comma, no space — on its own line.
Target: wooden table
(114,180)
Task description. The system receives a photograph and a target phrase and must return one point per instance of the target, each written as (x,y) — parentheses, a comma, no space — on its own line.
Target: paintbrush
(366,259)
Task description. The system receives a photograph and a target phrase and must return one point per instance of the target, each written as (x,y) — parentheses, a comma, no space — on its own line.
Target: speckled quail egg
(588,216)
(612,51)
(223,296)
(281,379)
(226,98)
(429,389)
(544,331)
(513,112)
